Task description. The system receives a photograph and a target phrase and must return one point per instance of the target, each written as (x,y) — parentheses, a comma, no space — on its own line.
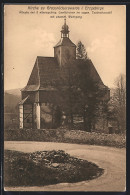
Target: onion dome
(65,30)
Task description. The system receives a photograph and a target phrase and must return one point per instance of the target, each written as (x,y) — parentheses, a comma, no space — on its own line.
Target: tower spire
(65,30)
(65,21)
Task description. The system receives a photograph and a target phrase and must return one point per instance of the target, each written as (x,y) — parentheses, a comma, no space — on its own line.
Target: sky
(28,35)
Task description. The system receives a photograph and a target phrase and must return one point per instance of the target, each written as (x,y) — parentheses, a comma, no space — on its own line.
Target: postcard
(64,97)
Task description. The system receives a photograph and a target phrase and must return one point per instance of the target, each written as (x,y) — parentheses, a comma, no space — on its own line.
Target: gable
(46,74)
(94,74)
(91,71)
(48,71)
(34,77)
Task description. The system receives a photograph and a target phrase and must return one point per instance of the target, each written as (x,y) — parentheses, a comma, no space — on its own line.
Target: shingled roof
(92,72)
(46,71)
(44,74)
(65,42)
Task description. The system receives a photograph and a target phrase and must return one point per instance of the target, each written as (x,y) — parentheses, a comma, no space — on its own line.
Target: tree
(68,92)
(118,102)
(72,78)
(81,51)
(79,93)
(88,86)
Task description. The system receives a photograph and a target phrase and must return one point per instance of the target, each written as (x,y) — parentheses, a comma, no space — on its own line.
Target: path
(112,160)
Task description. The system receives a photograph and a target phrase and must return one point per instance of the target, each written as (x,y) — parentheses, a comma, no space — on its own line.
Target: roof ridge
(45,57)
(38,72)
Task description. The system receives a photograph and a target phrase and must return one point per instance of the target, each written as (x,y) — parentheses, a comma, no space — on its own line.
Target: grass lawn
(46,167)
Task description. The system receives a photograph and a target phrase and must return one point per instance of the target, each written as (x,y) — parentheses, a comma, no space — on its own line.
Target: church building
(41,94)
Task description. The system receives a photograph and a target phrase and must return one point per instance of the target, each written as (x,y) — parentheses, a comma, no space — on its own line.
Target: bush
(68,136)
(38,168)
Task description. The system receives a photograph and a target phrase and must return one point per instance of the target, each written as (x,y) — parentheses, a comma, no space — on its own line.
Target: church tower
(65,49)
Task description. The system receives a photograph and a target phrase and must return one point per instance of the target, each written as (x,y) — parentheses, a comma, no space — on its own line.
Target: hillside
(15,92)
(10,102)
(11,111)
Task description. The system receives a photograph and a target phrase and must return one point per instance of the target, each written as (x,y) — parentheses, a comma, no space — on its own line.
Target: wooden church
(41,94)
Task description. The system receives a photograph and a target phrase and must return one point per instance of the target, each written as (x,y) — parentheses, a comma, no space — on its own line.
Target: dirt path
(111,159)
